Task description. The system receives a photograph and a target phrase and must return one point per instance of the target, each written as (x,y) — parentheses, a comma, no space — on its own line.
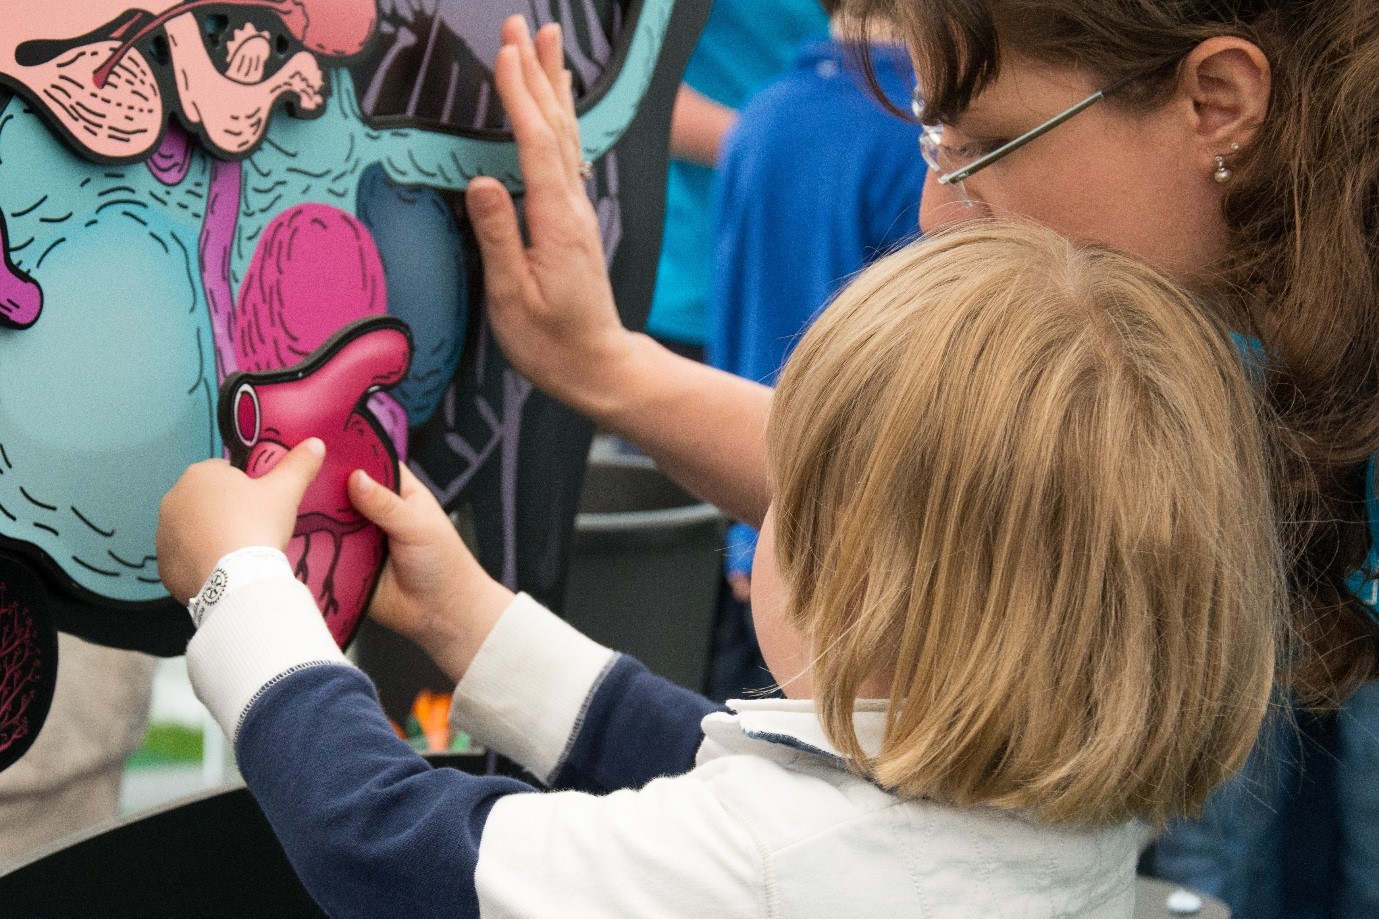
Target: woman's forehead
(1023,87)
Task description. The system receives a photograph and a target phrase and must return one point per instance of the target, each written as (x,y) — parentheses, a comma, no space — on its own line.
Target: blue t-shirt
(817,181)
(745,45)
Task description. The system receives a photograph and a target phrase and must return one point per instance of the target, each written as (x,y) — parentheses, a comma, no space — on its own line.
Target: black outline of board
(582,105)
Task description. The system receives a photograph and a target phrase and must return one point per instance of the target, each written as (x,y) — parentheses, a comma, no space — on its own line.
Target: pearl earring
(1223,172)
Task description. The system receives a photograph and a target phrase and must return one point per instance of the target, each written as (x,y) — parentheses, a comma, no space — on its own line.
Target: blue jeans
(1296,834)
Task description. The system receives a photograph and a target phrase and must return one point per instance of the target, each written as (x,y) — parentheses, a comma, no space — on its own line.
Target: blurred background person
(745,45)
(814,182)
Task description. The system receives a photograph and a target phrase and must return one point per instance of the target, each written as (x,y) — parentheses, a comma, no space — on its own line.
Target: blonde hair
(1028,482)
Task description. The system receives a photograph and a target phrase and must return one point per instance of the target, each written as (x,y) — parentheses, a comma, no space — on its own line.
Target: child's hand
(215,509)
(432,590)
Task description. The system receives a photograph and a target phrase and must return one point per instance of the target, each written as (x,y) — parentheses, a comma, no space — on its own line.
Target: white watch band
(235,570)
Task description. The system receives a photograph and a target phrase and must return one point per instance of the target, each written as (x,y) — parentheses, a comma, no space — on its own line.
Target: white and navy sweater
(663,804)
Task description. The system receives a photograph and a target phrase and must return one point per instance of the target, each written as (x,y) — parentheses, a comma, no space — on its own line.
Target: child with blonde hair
(1019,584)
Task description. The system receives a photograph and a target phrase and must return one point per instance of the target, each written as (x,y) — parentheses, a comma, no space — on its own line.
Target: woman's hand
(550,303)
(215,509)
(432,590)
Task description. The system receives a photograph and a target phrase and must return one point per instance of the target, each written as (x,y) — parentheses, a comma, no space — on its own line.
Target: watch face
(211,592)
(215,587)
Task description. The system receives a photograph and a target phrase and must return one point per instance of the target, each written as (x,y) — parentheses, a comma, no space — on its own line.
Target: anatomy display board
(266,194)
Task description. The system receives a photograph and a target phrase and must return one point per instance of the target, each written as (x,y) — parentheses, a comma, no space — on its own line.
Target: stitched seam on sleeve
(258,694)
(578,726)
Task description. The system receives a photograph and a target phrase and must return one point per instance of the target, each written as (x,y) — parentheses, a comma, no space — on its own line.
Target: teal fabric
(1365,583)
(746,44)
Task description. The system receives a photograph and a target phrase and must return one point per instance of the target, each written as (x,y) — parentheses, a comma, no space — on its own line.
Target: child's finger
(408,483)
(380,505)
(295,472)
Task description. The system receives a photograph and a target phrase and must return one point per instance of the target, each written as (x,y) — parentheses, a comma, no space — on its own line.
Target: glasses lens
(931,146)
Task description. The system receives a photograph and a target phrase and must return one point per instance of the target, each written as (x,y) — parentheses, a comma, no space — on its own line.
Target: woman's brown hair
(1026,481)
(1302,211)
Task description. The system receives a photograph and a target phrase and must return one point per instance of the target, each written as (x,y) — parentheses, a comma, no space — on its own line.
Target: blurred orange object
(432,711)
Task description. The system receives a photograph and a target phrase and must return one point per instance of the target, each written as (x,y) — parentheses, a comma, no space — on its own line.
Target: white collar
(791,723)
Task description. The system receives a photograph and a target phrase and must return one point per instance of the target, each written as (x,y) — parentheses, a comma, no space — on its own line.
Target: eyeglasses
(957,164)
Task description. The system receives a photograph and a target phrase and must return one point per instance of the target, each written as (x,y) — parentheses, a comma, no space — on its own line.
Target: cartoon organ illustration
(263,415)
(194,190)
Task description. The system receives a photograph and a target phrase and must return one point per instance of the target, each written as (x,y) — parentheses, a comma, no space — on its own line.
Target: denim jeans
(1296,834)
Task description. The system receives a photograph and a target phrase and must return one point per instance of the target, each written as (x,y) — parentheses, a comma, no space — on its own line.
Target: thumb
(295,472)
(494,218)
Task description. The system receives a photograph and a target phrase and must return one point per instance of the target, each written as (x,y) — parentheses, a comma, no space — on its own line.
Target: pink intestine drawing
(21,300)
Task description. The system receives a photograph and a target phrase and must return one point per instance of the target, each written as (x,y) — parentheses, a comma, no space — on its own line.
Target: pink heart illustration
(335,551)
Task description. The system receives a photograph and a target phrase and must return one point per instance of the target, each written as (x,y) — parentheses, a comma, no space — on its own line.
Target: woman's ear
(1228,81)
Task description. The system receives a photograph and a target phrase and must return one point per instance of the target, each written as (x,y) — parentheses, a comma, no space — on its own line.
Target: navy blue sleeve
(636,727)
(370,827)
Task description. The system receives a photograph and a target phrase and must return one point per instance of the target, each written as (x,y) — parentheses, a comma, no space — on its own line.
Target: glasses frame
(958,176)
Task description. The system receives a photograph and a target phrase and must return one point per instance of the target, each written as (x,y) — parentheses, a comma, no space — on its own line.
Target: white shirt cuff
(258,624)
(525,693)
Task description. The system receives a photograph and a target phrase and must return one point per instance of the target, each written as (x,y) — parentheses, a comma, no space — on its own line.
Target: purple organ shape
(21,299)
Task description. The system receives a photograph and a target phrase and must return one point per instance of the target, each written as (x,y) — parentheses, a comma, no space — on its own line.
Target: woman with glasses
(1231,143)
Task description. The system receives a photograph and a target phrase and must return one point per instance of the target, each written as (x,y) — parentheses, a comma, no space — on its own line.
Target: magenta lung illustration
(202,194)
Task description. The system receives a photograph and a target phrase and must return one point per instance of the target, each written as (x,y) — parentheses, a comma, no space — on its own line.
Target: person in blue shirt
(816,181)
(745,45)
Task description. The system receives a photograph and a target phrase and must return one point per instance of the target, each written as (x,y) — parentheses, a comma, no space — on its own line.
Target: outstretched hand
(215,509)
(550,303)
(432,590)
